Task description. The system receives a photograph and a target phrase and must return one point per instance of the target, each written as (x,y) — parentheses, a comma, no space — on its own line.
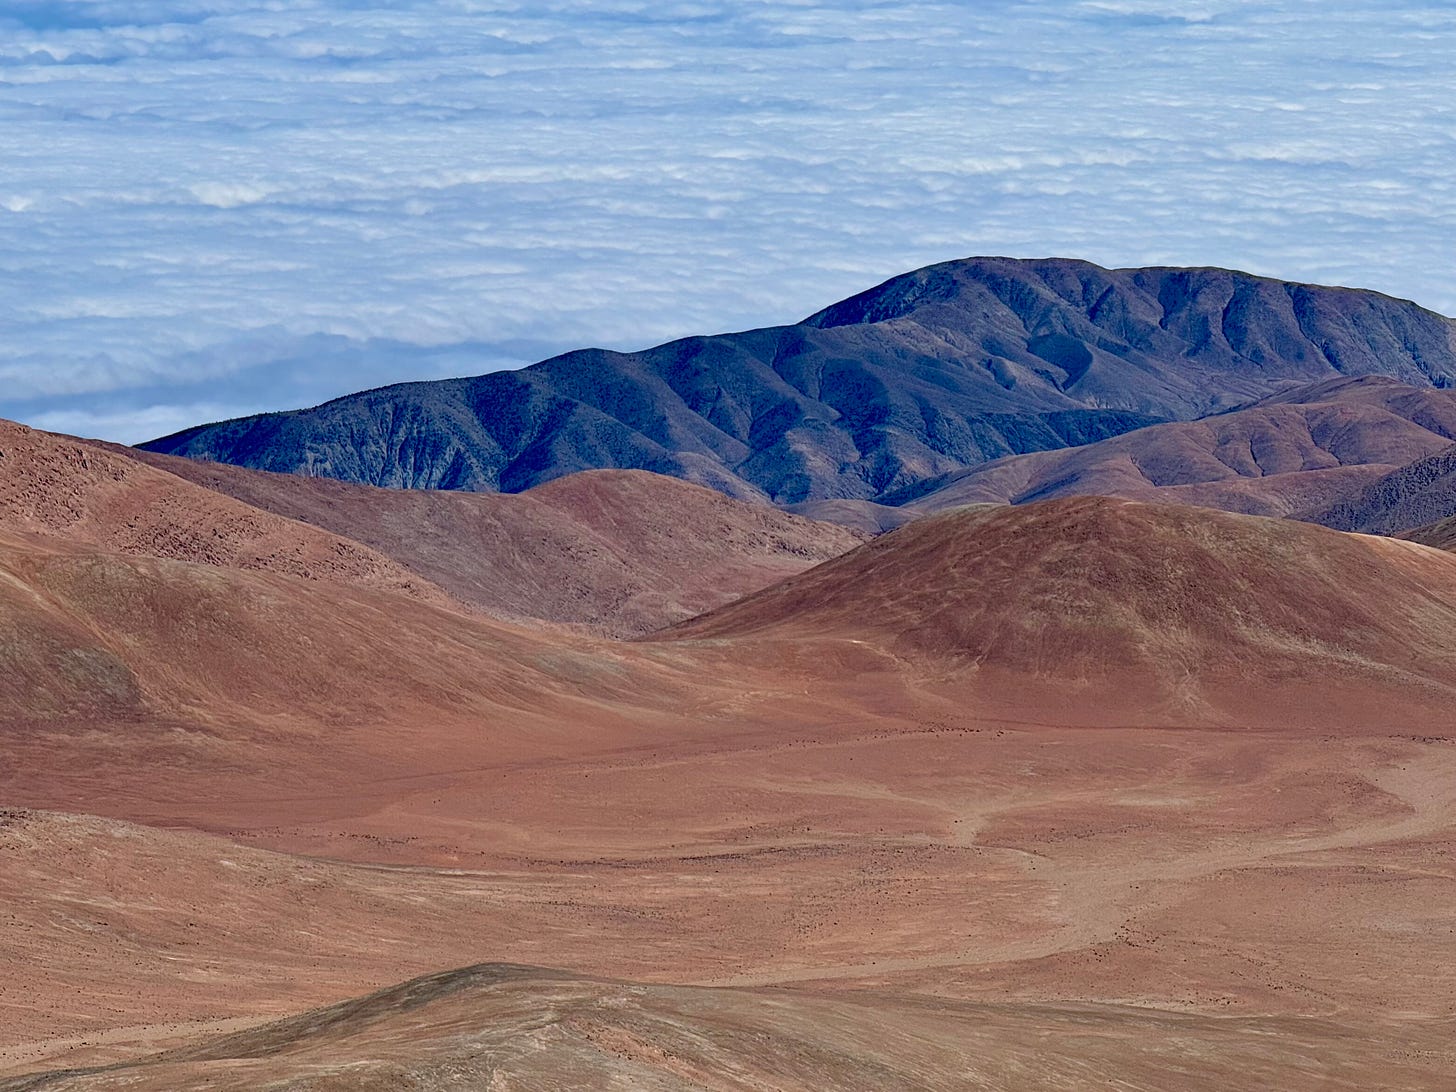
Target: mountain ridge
(931,372)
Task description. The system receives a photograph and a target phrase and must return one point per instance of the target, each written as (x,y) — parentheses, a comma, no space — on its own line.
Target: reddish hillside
(1108,592)
(207,684)
(1306,448)
(622,552)
(90,496)
(1441,534)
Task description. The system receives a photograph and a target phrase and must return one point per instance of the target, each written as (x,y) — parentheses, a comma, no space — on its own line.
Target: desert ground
(1081,794)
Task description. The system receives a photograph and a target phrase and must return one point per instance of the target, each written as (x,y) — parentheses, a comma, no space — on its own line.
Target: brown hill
(805,812)
(57,486)
(1306,448)
(879,776)
(860,515)
(1114,594)
(1441,534)
(203,685)
(504,1026)
(620,552)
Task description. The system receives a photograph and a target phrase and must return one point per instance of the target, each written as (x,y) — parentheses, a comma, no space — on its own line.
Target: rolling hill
(998,796)
(1441,534)
(931,372)
(615,552)
(59,487)
(1146,606)
(1299,450)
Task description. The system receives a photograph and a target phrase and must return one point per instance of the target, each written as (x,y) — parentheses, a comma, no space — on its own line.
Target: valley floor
(978,903)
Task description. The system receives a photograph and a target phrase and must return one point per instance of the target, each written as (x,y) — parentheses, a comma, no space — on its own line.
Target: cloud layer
(210,208)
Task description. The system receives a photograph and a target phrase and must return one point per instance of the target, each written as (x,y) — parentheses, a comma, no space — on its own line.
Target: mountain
(59,487)
(1137,606)
(929,373)
(1408,497)
(1298,450)
(617,552)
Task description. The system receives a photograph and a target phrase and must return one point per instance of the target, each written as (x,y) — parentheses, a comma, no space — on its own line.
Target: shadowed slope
(57,486)
(1122,595)
(621,552)
(926,374)
(1409,497)
(503,1026)
(1441,534)
(1292,452)
(860,515)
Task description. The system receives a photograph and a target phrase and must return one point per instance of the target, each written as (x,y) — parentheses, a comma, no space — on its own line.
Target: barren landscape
(1014,797)
(624,782)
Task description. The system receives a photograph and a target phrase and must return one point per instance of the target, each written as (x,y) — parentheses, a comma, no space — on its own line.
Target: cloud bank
(210,208)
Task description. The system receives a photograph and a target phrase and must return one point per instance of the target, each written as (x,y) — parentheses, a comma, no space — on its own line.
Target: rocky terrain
(521,1027)
(1083,753)
(929,373)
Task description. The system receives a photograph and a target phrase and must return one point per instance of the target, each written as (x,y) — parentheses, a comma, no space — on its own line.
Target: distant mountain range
(929,374)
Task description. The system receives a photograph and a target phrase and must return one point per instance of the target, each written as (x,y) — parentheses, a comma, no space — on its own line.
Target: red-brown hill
(1138,606)
(94,497)
(1303,449)
(126,678)
(1412,496)
(620,552)
(1441,534)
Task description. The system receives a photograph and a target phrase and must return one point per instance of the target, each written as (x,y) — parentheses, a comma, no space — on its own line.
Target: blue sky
(210,208)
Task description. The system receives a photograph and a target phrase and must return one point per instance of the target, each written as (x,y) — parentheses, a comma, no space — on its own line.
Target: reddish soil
(90,496)
(616,552)
(1186,613)
(1034,797)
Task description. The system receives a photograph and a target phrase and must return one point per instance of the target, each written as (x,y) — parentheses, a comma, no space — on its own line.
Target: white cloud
(193,189)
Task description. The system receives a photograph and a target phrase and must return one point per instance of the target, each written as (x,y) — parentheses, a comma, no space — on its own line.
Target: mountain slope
(60,487)
(1441,535)
(931,372)
(621,552)
(1411,496)
(1143,604)
(1295,451)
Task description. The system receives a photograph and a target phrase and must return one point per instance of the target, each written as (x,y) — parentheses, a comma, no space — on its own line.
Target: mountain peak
(930,373)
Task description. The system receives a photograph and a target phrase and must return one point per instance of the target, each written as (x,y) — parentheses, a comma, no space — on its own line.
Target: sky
(217,207)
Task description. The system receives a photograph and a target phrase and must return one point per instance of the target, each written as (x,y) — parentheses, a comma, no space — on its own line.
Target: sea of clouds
(214,207)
